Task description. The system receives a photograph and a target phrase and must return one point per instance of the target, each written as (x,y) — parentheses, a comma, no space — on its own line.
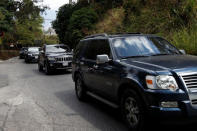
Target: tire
(132,110)
(47,69)
(80,88)
(26,61)
(40,67)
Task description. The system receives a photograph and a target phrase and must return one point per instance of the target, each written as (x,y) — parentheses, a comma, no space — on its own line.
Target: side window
(88,53)
(78,50)
(97,47)
(102,47)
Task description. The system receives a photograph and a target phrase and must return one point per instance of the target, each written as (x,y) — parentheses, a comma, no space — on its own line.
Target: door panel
(87,69)
(107,77)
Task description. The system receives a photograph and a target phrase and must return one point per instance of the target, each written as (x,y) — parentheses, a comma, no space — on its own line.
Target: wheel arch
(75,74)
(133,85)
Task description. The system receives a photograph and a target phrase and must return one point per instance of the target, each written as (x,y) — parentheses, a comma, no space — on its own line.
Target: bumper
(32,59)
(184,110)
(60,65)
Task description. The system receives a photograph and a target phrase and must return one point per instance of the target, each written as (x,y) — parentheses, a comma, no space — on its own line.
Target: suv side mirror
(182,51)
(102,59)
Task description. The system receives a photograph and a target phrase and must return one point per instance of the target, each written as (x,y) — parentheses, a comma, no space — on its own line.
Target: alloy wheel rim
(131,111)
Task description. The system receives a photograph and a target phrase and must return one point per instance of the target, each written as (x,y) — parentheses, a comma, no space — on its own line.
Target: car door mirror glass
(101,59)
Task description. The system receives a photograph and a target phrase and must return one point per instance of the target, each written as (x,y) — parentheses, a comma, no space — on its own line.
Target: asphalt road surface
(33,101)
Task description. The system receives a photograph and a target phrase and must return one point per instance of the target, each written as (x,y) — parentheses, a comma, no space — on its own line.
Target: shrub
(186,39)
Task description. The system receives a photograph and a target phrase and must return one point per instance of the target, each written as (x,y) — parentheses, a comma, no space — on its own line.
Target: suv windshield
(136,46)
(57,49)
(33,49)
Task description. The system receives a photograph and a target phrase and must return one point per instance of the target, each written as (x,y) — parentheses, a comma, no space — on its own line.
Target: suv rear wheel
(80,88)
(132,110)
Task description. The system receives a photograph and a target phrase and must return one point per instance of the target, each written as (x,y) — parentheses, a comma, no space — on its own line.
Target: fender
(132,83)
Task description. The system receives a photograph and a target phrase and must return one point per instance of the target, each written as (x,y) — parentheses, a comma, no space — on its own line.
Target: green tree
(7,9)
(21,20)
(62,22)
(81,22)
(73,22)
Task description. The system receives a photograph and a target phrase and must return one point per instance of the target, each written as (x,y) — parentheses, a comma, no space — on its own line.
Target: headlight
(161,82)
(51,58)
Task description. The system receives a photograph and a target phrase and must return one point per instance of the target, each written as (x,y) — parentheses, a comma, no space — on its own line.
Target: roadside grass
(6,54)
(112,22)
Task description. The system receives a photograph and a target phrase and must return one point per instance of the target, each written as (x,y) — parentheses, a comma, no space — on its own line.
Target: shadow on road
(93,111)
(55,72)
(100,113)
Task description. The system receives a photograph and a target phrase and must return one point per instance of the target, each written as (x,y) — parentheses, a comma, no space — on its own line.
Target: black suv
(53,57)
(31,54)
(142,74)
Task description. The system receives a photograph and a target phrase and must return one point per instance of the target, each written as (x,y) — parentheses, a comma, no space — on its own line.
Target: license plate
(65,64)
(36,57)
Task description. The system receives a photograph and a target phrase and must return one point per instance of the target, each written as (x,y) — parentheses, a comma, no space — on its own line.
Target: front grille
(63,59)
(191,84)
(194,101)
(190,80)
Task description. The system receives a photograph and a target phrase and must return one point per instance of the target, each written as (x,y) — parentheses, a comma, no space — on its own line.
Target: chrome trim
(189,84)
(62,59)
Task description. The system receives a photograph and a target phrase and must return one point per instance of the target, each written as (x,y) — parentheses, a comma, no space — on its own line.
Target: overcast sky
(51,14)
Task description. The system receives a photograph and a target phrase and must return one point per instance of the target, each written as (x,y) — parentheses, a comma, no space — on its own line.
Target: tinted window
(97,47)
(141,45)
(78,50)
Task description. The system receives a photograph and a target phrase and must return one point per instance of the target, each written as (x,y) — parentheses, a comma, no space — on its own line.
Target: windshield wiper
(135,56)
(160,54)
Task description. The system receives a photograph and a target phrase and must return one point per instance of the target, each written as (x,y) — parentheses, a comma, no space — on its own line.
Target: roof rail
(96,35)
(126,33)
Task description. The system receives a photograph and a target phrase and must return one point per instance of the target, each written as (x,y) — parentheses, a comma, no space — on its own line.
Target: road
(33,101)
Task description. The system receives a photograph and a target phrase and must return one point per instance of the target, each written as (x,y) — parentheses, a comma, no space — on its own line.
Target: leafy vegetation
(172,19)
(73,22)
(6,15)
(186,39)
(21,21)
(51,39)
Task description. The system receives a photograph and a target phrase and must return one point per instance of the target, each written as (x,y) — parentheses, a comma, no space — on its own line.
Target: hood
(34,53)
(59,55)
(165,62)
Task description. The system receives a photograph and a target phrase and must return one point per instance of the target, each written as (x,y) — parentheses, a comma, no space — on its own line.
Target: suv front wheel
(40,67)
(132,110)
(47,69)
(80,88)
